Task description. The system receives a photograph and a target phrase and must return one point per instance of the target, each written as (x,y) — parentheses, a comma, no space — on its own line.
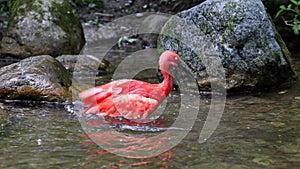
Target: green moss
(286,53)
(232,6)
(69,17)
(229,26)
(169,27)
(167,31)
(160,49)
(13,10)
(62,15)
(20,8)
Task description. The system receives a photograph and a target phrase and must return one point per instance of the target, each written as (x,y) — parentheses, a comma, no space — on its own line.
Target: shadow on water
(256,131)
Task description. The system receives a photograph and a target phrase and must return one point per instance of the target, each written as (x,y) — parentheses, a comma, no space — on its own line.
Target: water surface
(258,130)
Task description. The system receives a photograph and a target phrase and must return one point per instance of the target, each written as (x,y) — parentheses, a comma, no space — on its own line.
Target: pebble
(282,92)
(277,124)
(1,105)
(39,141)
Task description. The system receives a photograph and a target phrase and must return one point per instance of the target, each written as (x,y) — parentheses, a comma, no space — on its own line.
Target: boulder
(39,78)
(42,27)
(240,34)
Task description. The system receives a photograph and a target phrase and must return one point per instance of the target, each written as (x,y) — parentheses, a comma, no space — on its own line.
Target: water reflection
(134,139)
(99,157)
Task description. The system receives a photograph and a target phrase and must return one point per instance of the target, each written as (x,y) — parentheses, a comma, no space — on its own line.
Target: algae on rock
(38,27)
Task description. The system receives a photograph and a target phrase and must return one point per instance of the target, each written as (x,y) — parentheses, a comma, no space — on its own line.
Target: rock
(129,26)
(40,78)
(297,98)
(87,71)
(150,29)
(80,62)
(109,31)
(153,23)
(241,36)
(42,27)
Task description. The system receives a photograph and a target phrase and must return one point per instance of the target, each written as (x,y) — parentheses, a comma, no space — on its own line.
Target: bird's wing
(135,106)
(97,94)
(128,98)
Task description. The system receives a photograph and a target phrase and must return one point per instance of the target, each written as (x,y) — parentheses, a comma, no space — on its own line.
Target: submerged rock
(42,27)
(40,78)
(4,115)
(239,33)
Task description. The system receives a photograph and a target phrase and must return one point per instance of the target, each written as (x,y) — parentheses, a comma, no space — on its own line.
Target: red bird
(131,99)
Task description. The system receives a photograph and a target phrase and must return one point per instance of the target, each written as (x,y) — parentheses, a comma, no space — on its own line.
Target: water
(259,130)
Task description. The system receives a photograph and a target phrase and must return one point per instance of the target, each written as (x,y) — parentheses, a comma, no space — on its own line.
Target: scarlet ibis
(128,98)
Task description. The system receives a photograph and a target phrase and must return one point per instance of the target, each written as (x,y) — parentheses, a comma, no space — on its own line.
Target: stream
(257,130)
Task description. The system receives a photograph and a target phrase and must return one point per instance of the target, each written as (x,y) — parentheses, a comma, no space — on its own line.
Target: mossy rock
(39,27)
(238,33)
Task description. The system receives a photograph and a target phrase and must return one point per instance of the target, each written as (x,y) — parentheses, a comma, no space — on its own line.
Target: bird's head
(169,58)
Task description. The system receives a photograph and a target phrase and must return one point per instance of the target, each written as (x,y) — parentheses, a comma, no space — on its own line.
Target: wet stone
(40,78)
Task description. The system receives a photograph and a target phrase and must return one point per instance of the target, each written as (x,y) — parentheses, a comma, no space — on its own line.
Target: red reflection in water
(131,145)
(162,161)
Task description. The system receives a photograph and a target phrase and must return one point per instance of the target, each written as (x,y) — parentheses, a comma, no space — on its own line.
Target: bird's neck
(167,84)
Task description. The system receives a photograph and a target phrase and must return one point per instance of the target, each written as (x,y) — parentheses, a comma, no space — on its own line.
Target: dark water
(260,130)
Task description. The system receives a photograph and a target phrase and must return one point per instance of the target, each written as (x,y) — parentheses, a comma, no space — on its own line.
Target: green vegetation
(292,8)
(4,9)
